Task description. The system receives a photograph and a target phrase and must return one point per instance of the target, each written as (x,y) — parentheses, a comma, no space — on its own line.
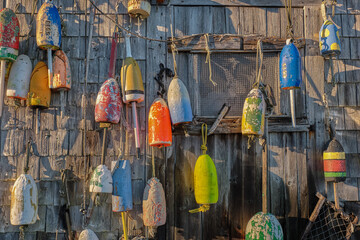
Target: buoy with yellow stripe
(205,178)
(9,45)
(329,37)
(24,198)
(334,162)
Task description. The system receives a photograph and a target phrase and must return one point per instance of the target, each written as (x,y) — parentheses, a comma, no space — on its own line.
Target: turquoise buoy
(264,226)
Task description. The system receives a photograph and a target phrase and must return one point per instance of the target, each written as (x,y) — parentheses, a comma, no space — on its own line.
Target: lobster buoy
(179,102)
(9,35)
(24,201)
(205,178)
(39,91)
(205,181)
(329,39)
(108,102)
(48,27)
(139,8)
(264,226)
(290,67)
(132,88)
(122,193)
(101,180)
(62,72)
(19,78)
(160,134)
(253,118)
(334,162)
(154,203)
(88,234)
(24,197)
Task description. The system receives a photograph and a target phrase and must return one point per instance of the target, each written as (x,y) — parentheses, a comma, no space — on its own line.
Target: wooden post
(264,170)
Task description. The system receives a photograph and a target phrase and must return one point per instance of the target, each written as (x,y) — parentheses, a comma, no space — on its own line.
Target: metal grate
(234,74)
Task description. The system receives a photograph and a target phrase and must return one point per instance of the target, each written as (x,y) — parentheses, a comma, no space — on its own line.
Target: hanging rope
(208,60)
(204,137)
(259,63)
(153,161)
(173,51)
(333,5)
(289,27)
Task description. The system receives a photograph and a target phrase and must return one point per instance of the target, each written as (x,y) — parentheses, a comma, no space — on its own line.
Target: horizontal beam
(246,3)
(230,42)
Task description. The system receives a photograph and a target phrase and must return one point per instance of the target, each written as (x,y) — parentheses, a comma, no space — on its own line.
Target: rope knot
(204,148)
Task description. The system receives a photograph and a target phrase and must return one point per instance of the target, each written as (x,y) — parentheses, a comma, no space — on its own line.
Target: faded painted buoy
(179,102)
(61,79)
(154,204)
(101,180)
(139,8)
(122,192)
(329,39)
(108,102)
(19,78)
(24,201)
(334,162)
(160,134)
(253,118)
(131,81)
(290,67)
(48,27)
(9,35)
(88,234)
(205,181)
(39,91)
(264,226)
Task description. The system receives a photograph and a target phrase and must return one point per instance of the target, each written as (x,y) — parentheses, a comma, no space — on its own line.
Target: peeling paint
(160,133)
(264,226)
(122,191)
(9,35)
(62,72)
(154,203)
(39,91)
(19,78)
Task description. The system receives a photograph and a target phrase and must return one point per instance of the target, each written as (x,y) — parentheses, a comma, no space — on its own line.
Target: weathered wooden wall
(295,157)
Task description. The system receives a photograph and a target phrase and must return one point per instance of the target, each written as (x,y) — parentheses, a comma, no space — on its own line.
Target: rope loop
(173,51)
(259,63)
(204,137)
(289,27)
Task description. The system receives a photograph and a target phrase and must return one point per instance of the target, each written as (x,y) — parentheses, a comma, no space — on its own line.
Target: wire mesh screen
(234,74)
(330,224)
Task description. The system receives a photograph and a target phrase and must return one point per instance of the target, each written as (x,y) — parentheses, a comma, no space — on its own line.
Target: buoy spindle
(292,106)
(136,128)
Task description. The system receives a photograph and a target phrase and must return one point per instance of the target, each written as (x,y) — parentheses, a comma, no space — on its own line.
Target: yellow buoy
(39,92)
(205,178)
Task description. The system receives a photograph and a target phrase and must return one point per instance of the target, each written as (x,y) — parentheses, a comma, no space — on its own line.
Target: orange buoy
(160,134)
(62,72)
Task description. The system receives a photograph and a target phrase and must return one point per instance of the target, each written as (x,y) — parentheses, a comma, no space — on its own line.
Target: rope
(333,4)
(204,137)
(22,232)
(289,27)
(26,167)
(208,60)
(153,161)
(259,62)
(173,51)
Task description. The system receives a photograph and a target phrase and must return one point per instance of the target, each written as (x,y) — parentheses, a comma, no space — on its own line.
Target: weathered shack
(295,154)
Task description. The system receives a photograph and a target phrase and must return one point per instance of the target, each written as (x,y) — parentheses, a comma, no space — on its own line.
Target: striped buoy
(334,162)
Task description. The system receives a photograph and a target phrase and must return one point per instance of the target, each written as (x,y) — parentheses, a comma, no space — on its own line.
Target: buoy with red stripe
(334,162)
(205,178)
(19,78)
(9,45)
(48,31)
(160,133)
(61,80)
(24,197)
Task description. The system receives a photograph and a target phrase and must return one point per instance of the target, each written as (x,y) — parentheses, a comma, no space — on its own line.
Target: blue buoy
(329,39)
(290,67)
(122,193)
(179,102)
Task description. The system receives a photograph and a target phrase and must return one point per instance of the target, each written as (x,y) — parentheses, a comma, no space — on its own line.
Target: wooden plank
(253,3)
(345,48)
(347,94)
(354,46)
(337,114)
(353,163)
(218,18)
(273,22)
(352,118)
(232,20)
(353,7)
(348,140)
(352,70)
(348,25)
